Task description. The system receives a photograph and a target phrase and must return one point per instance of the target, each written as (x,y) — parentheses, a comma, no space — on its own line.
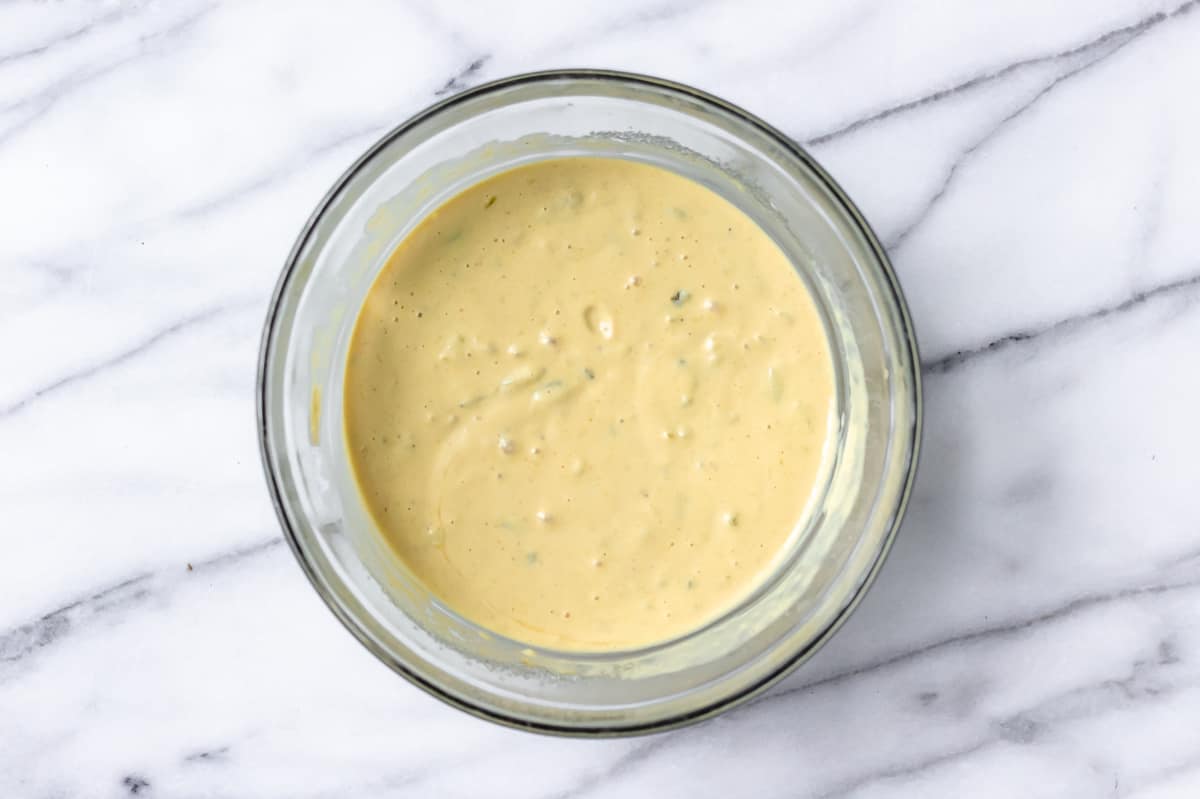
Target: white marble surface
(1035,171)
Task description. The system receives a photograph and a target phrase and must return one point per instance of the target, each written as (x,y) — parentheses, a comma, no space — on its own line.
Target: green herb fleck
(531,558)
(491,200)
(589,374)
(680,297)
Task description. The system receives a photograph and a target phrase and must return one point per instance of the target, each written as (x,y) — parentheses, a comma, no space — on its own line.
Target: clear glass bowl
(495,127)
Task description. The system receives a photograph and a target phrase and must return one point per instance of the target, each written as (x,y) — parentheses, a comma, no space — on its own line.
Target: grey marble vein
(1002,629)
(1150,211)
(1027,726)
(1096,56)
(39,104)
(1005,729)
(646,15)
(463,78)
(848,787)
(273,175)
(1185,558)
(147,344)
(103,21)
(282,171)
(1123,34)
(959,358)
(224,559)
(20,641)
(637,754)
(17,643)
(1181,768)
(135,784)
(257,183)
(551,56)
(207,755)
(446,29)
(279,172)
(389,782)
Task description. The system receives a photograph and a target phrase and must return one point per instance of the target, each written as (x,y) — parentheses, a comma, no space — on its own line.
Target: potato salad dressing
(586,403)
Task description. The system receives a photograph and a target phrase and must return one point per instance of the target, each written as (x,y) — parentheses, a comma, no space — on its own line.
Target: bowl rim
(890,282)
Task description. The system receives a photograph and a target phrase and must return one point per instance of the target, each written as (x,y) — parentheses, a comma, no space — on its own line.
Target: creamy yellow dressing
(586,403)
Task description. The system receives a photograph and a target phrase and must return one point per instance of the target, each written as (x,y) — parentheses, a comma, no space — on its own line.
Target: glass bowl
(836,550)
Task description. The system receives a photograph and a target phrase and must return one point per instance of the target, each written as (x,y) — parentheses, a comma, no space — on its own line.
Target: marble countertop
(1033,169)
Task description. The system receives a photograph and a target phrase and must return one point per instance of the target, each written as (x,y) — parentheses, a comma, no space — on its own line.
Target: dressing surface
(586,401)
